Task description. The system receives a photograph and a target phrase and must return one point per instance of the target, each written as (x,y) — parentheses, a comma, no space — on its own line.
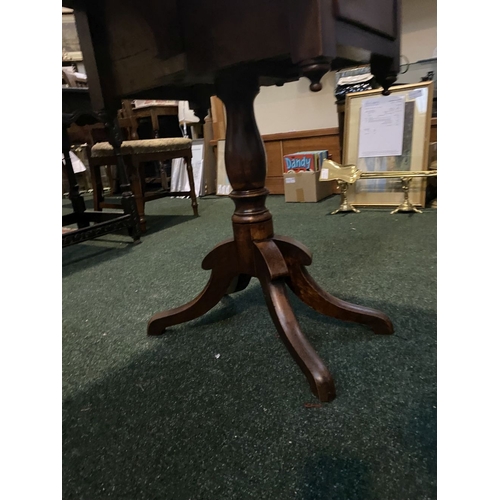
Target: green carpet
(216,409)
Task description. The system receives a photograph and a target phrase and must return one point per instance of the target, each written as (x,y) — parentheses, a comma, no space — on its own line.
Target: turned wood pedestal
(255,251)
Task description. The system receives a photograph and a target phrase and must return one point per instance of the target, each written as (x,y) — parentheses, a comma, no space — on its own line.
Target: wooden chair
(77,108)
(135,154)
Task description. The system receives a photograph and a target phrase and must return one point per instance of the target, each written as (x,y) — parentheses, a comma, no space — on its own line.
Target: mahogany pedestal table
(276,261)
(191,50)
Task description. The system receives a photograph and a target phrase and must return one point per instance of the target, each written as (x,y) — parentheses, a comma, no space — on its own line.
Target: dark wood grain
(222,262)
(305,287)
(171,49)
(317,374)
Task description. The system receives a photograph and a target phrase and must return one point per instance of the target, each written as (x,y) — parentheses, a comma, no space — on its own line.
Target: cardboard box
(305,187)
(304,161)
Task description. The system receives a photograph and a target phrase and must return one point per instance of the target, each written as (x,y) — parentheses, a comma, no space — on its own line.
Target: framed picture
(388,133)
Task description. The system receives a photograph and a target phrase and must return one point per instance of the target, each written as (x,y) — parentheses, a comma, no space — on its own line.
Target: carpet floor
(216,409)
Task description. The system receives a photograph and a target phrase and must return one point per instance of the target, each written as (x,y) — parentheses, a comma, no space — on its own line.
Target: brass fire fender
(347,175)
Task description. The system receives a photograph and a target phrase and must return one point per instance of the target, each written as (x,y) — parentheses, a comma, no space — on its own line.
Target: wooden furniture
(194,49)
(77,109)
(128,119)
(135,154)
(151,112)
(154,112)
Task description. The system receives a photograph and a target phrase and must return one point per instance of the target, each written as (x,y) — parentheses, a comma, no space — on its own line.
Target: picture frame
(414,144)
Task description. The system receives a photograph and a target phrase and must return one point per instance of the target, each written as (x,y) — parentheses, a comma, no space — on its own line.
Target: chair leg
(192,192)
(77,200)
(97,188)
(112,175)
(134,169)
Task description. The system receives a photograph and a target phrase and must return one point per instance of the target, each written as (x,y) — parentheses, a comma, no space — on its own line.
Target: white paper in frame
(415,147)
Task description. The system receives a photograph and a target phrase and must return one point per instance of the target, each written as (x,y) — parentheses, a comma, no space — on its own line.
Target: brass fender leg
(345,206)
(407,205)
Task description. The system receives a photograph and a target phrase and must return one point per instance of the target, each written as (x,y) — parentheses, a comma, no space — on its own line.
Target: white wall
(419,29)
(294,107)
